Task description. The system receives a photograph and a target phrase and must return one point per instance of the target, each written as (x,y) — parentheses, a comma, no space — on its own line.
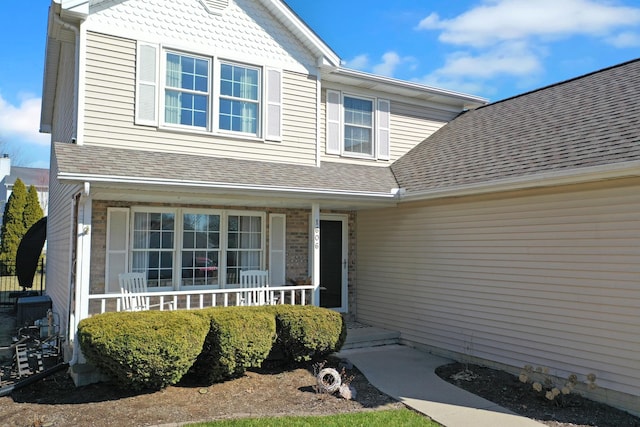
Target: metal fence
(10,289)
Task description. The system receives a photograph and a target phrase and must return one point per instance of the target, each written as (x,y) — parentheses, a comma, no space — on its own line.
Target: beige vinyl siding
(110,104)
(541,278)
(299,112)
(410,124)
(59,235)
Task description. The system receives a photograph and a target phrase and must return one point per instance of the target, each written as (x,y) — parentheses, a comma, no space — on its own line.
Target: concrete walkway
(409,376)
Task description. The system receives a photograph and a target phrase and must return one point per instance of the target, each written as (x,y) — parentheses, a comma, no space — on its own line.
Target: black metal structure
(29,252)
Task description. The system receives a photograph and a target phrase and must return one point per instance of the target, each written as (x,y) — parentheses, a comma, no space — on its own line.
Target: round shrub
(143,350)
(308,332)
(239,338)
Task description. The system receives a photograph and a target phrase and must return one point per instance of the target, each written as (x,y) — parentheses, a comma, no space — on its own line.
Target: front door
(333,262)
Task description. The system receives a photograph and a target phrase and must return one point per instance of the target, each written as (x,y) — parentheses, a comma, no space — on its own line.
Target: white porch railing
(201,298)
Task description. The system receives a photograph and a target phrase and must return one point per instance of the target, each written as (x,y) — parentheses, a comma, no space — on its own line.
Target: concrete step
(361,336)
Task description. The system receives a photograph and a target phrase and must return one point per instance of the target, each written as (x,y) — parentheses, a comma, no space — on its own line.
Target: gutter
(347,72)
(63,176)
(539,180)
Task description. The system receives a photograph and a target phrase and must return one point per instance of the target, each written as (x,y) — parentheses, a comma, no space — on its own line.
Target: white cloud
(507,58)
(456,84)
(22,122)
(625,40)
(503,20)
(360,62)
(472,72)
(389,62)
(512,38)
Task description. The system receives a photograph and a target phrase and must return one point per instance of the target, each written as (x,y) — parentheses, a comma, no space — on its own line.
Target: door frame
(344,219)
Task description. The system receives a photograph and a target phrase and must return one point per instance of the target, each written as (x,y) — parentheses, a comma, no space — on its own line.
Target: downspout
(318,117)
(315,265)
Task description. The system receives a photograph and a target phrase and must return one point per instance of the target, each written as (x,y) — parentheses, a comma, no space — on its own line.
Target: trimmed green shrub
(143,350)
(308,332)
(239,338)
(32,209)
(13,228)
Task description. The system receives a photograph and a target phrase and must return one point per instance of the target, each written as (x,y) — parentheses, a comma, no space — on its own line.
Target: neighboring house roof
(37,177)
(78,163)
(572,131)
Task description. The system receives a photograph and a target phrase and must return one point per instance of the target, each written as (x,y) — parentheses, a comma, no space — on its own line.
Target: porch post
(82,270)
(315,274)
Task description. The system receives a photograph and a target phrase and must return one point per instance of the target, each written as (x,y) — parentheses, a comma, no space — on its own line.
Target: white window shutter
(147,84)
(333,122)
(384,113)
(274,105)
(277,249)
(117,257)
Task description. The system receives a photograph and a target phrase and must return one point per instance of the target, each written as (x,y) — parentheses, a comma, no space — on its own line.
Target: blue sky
(490,48)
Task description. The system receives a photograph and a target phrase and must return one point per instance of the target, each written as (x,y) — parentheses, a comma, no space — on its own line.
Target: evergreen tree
(32,210)
(13,226)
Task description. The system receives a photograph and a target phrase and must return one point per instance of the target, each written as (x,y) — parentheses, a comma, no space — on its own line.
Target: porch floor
(360,335)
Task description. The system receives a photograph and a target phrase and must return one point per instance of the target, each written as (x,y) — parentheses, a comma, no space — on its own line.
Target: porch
(204,298)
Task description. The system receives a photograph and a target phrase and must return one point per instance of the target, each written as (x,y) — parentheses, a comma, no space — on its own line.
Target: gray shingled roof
(592,120)
(93,161)
(38,177)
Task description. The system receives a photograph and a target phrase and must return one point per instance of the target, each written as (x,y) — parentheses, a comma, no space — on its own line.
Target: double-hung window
(153,246)
(200,248)
(244,245)
(186,100)
(239,98)
(357,126)
(206,93)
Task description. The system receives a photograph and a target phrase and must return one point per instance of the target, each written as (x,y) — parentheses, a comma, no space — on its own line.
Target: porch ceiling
(145,176)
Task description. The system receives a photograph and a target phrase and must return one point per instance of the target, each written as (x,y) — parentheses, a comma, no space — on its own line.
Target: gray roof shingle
(119,163)
(38,177)
(591,120)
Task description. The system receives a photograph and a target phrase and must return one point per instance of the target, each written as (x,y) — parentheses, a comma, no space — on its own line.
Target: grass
(396,417)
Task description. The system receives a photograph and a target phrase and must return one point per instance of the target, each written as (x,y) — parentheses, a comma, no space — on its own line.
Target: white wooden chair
(258,281)
(132,288)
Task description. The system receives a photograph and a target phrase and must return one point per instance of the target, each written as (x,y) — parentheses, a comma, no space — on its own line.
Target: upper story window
(357,126)
(239,98)
(207,94)
(186,100)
